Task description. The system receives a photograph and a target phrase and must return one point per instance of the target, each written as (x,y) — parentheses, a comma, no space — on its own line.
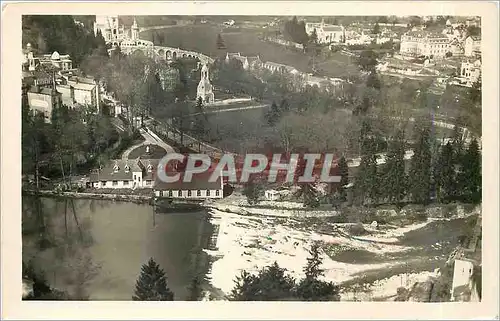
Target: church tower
(135,31)
(205,89)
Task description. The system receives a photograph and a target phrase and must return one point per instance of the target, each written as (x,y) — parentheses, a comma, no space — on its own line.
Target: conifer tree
(273,114)
(270,284)
(393,171)
(344,177)
(458,146)
(313,38)
(367,179)
(253,191)
(310,195)
(246,287)
(311,288)
(152,284)
(420,169)
(445,175)
(312,269)
(471,164)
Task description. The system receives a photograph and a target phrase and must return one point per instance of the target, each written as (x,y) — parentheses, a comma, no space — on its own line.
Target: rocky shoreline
(138,199)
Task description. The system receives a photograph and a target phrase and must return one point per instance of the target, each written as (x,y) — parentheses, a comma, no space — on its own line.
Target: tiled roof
(107,173)
(42,91)
(41,73)
(198,182)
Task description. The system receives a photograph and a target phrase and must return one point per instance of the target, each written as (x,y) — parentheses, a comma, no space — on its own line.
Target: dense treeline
(367,117)
(75,138)
(60,33)
(434,174)
(135,81)
(296,31)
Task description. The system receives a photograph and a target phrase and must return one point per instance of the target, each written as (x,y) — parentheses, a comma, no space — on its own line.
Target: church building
(205,89)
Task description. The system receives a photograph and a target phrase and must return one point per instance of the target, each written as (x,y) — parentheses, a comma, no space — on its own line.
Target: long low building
(200,187)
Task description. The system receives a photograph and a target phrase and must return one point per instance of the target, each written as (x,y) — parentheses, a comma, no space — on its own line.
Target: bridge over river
(161,52)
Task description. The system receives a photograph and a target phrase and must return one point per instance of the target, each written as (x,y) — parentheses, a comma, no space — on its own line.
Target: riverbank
(142,196)
(133,198)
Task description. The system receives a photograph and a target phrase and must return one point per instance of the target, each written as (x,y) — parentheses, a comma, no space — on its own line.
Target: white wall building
(139,173)
(463,289)
(247,62)
(472,46)
(200,187)
(419,43)
(470,71)
(326,33)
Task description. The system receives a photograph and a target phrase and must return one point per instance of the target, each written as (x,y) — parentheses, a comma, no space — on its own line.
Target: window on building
(125,183)
(198,193)
(208,192)
(148,182)
(115,183)
(135,177)
(103,183)
(179,193)
(170,193)
(216,192)
(189,193)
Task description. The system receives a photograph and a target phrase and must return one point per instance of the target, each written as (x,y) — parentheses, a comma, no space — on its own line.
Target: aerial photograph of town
(251,158)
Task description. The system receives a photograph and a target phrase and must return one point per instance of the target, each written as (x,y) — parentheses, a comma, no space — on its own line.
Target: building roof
(108,172)
(55,56)
(253,59)
(41,73)
(199,182)
(233,54)
(86,80)
(332,28)
(42,91)
(81,86)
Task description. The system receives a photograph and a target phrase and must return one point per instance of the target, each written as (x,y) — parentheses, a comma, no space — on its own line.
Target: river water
(116,238)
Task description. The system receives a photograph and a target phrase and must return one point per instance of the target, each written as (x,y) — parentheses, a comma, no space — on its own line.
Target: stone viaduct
(162,53)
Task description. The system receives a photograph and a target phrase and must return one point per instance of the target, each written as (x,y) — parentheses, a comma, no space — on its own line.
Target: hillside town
(396,100)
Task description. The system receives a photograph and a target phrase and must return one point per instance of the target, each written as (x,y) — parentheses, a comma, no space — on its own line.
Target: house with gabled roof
(326,33)
(248,62)
(122,173)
